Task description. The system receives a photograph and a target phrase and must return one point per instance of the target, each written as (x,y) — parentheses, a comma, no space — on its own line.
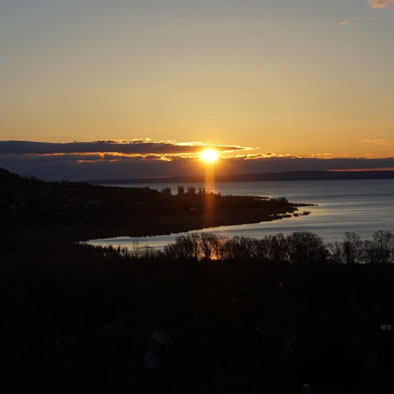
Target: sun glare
(209,156)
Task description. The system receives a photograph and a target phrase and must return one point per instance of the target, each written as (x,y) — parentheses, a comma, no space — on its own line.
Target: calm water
(362,206)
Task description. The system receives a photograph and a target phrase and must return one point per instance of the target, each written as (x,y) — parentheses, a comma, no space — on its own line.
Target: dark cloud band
(93,166)
(133,147)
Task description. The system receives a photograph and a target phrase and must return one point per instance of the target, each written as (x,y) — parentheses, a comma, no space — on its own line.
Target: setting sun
(209,156)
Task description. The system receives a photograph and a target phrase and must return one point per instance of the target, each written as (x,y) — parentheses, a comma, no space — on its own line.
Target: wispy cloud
(343,23)
(378,141)
(355,22)
(380,4)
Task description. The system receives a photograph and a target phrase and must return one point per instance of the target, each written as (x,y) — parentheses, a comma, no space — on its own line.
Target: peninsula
(81,211)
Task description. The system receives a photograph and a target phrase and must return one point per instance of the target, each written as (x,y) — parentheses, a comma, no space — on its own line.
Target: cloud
(355,22)
(343,23)
(138,159)
(90,166)
(378,141)
(141,147)
(380,4)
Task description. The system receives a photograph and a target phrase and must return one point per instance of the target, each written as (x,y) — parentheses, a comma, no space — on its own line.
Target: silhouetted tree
(370,254)
(181,190)
(277,248)
(305,247)
(183,248)
(384,243)
(191,190)
(209,244)
(351,248)
(166,191)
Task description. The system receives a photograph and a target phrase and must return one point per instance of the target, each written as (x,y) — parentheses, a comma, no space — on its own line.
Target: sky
(305,78)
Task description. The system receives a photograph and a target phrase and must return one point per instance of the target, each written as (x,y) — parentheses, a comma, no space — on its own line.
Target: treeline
(297,248)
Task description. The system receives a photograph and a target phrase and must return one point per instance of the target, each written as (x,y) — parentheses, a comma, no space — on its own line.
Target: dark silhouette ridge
(89,211)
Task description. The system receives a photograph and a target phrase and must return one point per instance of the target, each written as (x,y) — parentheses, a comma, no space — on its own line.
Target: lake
(362,206)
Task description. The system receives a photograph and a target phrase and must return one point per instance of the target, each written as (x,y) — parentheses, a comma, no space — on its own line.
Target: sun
(209,156)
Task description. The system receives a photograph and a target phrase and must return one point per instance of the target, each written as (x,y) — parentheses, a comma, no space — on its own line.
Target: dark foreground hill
(85,320)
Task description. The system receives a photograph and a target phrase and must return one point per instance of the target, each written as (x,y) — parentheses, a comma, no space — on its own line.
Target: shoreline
(158,226)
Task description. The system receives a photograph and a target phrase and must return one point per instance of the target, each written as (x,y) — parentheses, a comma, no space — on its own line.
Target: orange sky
(284,77)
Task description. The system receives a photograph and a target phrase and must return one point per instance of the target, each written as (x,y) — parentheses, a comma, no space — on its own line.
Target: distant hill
(269,176)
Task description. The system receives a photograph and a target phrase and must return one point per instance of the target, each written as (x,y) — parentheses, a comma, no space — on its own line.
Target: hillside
(30,202)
